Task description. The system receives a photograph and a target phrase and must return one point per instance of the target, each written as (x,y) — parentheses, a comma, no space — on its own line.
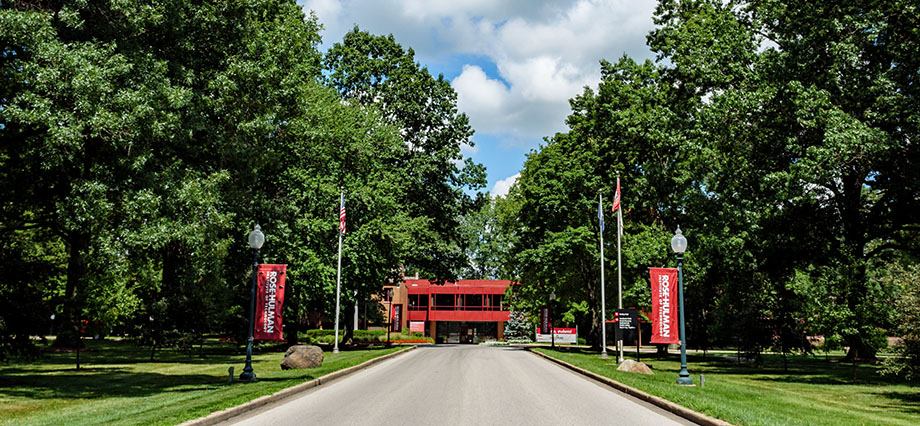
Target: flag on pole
(600,214)
(342,215)
(616,197)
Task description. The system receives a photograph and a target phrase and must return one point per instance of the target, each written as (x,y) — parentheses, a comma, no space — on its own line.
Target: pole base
(685,381)
(604,355)
(247,376)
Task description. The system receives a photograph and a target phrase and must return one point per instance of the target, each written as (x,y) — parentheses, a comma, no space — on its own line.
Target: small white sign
(563,335)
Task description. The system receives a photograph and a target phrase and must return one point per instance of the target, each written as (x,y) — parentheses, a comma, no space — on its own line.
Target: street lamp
(389,313)
(552,329)
(256,239)
(679,245)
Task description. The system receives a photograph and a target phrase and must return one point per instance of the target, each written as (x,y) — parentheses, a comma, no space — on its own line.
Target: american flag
(616,198)
(342,215)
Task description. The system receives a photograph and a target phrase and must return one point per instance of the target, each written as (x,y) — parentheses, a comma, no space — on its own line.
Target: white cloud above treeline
(502,187)
(545,52)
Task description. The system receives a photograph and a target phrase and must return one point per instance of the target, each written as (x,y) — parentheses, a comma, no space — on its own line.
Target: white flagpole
(619,262)
(600,207)
(338,284)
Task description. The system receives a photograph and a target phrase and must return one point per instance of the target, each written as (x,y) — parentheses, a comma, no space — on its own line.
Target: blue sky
(514,64)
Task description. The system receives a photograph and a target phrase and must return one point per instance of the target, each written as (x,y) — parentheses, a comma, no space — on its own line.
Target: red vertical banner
(397,317)
(664,306)
(545,319)
(269,299)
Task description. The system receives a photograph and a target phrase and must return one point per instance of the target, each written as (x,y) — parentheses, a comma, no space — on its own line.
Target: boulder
(302,356)
(631,366)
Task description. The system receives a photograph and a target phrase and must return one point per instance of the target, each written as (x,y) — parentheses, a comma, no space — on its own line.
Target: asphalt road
(462,385)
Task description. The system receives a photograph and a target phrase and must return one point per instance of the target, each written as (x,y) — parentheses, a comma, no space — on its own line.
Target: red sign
(397,317)
(664,306)
(545,320)
(269,298)
(417,326)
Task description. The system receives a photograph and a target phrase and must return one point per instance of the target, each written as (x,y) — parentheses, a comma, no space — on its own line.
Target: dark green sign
(628,323)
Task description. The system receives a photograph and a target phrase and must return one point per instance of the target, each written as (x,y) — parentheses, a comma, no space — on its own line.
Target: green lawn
(117,384)
(813,392)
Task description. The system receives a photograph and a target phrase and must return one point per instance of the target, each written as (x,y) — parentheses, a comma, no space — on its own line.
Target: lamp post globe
(256,239)
(679,242)
(679,245)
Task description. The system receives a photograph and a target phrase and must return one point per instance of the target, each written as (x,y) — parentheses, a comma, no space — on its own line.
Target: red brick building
(466,311)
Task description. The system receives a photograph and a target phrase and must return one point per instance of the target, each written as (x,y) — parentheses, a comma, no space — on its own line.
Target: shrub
(518,329)
(906,361)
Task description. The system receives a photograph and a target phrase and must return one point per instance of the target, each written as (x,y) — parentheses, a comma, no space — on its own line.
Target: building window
(473,302)
(443,302)
(418,302)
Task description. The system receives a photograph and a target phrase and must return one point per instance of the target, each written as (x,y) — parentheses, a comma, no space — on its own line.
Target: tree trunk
(855,240)
(594,333)
(293,327)
(859,350)
(347,334)
(69,328)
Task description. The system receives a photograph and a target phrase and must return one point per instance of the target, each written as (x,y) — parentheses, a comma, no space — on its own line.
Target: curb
(228,413)
(679,410)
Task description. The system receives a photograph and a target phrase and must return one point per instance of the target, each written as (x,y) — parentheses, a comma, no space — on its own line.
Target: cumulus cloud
(468,150)
(545,52)
(502,187)
(325,9)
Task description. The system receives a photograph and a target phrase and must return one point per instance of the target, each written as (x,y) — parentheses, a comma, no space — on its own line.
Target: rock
(302,356)
(631,366)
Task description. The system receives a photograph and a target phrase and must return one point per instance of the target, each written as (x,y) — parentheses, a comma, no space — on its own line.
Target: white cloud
(468,150)
(502,187)
(545,52)
(326,10)
(535,107)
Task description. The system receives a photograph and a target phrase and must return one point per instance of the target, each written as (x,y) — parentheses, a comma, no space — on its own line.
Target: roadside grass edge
(229,413)
(679,410)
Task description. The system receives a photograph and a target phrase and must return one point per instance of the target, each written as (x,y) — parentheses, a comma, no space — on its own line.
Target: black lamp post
(552,328)
(256,239)
(389,313)
(679,245)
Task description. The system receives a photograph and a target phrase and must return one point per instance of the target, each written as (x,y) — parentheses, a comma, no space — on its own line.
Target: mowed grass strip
(117,384)
(813,392)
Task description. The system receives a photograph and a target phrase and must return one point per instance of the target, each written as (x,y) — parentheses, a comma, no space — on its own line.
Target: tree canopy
(141,141)
(778,135)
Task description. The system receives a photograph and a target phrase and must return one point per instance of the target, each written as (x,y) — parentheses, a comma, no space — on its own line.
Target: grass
(117,384)
(813,392)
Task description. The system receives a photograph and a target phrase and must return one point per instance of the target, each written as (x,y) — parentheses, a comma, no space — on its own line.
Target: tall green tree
(375,71)
(81,112)
(631,126)
(811,111)
(136,133)
(490,232)
(777,135)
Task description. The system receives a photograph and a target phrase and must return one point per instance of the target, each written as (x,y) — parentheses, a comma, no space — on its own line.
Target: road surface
(462,385)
